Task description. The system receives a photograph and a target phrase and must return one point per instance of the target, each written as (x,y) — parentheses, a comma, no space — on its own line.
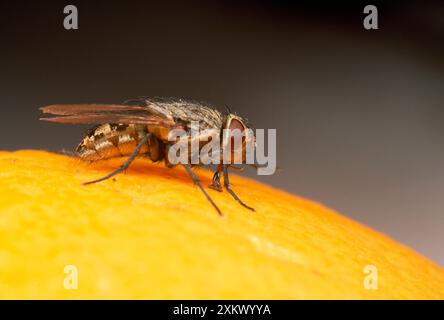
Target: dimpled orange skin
(151,234)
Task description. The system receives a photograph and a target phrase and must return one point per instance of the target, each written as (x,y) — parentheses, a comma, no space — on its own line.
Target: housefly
(141,127)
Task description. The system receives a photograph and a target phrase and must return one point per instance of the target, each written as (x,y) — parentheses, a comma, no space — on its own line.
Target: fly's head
(236,136)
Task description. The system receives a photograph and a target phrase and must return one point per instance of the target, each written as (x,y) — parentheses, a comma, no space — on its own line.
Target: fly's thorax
(111,140)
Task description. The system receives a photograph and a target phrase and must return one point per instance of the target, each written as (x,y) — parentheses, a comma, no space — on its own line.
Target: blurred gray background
(359,114)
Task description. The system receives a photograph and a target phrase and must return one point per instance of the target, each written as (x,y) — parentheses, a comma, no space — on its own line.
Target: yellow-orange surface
(151,234)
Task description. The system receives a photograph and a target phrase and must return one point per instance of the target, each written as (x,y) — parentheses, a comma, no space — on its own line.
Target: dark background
(359,113)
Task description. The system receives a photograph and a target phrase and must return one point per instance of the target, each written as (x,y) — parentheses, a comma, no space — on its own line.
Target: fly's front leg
(228,187)
(127,163)
(215,185)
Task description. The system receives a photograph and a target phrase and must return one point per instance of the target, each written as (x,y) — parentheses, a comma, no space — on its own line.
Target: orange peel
(150,234)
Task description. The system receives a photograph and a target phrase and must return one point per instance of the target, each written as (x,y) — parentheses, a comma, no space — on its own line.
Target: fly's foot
(215,186)
(216,182)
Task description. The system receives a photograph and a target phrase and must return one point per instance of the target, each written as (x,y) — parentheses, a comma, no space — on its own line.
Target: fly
(142,127)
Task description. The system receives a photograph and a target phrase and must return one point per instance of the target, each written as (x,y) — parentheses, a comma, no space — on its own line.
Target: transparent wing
(72,109)
(106,113)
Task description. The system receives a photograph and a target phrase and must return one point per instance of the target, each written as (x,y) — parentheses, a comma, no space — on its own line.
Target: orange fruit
(152,234)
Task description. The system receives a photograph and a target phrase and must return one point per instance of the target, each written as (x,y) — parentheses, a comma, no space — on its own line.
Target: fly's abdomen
(112,140)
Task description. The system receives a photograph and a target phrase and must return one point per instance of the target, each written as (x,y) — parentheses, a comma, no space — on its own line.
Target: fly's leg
(215,185)
(126,164)
(199,185)
(227,186)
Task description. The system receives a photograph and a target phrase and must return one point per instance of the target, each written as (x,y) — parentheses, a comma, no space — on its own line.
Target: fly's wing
(106,113)
(158,113)
(76,109)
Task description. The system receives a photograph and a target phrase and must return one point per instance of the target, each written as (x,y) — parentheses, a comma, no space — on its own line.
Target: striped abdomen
(116,140)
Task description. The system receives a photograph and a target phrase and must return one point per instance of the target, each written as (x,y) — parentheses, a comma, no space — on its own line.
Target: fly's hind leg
(126,164)
(230,191)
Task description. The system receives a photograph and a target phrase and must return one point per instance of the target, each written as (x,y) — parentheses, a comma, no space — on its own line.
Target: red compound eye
(236,124)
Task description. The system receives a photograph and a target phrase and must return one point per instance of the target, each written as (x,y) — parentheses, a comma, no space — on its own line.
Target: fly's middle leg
(199,185)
